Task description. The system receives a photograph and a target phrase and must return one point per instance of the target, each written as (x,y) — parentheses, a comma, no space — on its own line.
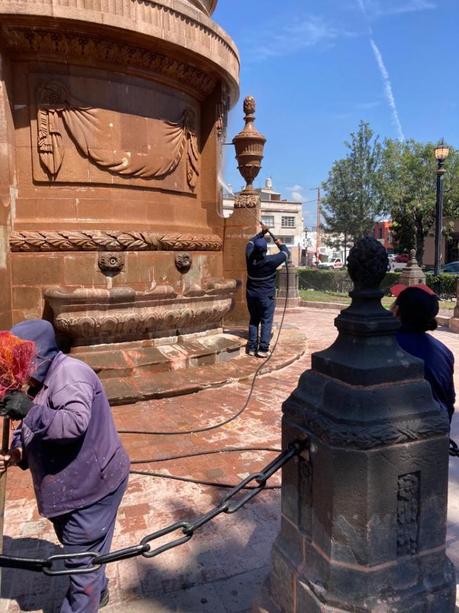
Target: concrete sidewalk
(221,568)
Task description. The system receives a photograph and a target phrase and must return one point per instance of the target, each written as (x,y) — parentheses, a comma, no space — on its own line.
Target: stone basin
(91,316)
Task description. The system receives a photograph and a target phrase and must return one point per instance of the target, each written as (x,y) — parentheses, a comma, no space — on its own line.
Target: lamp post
(441,153)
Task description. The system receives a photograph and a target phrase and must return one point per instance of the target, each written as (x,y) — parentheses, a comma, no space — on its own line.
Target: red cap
(396,290)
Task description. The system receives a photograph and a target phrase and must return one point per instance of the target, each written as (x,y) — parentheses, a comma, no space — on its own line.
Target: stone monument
(412,274)
(453,323)
(113,115)
(364,510)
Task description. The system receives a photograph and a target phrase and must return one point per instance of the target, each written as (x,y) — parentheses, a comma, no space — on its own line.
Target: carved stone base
(158,368)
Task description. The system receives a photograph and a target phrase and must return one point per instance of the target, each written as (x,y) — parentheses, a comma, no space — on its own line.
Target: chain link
(92,561)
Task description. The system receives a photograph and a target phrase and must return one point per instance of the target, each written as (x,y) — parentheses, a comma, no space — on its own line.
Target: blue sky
(318,68)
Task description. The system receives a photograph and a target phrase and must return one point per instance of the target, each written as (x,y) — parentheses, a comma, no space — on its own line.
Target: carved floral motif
(98,240)
(111,263)
(57,111)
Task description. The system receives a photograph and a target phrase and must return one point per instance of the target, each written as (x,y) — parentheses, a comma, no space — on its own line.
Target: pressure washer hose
(214,426)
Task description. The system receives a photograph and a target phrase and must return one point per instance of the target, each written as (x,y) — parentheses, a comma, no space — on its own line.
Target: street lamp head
(441,151)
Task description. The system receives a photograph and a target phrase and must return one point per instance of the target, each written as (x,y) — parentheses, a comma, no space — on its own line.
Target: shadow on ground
(219,570)
(31,590)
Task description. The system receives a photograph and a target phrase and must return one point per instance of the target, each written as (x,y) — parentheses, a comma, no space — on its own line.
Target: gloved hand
(15,404)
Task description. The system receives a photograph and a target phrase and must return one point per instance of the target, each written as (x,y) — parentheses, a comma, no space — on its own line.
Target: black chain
(453,448)
(144,548)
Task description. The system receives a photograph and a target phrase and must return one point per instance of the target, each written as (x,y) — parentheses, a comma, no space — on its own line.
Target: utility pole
(318,222)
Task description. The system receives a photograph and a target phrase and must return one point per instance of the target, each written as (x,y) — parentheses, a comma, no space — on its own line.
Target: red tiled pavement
(220,569)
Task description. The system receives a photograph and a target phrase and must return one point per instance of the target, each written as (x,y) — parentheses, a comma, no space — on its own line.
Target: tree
(352,200)
(407,185)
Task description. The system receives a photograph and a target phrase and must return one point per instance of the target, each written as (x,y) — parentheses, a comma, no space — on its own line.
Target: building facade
(382,232)
(283,217)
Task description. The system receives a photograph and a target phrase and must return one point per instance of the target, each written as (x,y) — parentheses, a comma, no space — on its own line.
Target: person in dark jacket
(417,306)
(261,290)
(79,468)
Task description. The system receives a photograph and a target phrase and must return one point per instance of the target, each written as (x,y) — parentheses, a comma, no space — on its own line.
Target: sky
(317,68)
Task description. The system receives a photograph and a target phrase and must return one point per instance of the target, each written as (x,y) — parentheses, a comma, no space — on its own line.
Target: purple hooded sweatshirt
(69,439)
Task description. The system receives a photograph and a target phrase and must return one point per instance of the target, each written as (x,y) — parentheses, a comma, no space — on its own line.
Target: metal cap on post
(364,514)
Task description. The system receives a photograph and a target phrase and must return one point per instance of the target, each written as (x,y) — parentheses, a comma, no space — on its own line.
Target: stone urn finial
(367,264)
(249,145)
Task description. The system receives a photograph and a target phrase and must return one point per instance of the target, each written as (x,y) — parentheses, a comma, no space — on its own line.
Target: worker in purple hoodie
(79,468)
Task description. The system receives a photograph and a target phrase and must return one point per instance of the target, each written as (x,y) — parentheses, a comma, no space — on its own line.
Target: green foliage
(352,197)
(325,280)
(444,284)
(407,183)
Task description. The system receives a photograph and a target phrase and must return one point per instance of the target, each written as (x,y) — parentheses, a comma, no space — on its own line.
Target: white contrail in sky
(389,92)
(388,89)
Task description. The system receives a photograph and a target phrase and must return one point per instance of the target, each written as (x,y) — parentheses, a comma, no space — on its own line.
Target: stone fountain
(113,115)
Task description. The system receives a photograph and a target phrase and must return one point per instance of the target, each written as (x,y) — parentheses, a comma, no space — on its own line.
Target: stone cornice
(99,240)
(161,20)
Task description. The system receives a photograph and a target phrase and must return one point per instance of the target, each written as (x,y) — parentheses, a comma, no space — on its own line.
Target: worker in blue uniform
(416,307)
(261,290)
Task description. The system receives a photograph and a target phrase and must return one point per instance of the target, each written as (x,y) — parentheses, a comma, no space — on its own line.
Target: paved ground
(221,568)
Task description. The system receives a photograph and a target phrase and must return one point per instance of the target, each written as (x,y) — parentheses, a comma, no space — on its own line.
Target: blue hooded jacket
(68,437)
(41,332)
(261,268)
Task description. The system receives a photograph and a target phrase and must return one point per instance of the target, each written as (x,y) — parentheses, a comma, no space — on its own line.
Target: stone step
(125,390)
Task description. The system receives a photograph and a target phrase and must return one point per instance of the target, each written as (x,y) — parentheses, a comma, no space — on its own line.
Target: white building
(283,217)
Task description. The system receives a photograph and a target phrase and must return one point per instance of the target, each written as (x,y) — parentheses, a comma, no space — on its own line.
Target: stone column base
(453,324)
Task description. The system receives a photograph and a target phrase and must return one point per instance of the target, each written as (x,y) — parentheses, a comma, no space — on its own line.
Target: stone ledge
(130,389)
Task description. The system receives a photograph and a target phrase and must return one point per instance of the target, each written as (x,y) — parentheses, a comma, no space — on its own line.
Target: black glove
(15,404)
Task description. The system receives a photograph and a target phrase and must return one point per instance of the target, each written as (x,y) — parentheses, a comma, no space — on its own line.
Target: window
(287,240)
(288,222)
(380,232)
(268,220)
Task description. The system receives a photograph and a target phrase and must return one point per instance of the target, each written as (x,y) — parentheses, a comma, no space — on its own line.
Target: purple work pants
(88,529)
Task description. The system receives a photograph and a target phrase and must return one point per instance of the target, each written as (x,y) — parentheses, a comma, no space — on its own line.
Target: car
(402,258)
(335,264)
(451,267)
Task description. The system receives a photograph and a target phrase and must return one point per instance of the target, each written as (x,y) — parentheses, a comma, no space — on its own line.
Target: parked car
(402,258)
(334,264)
(451,267)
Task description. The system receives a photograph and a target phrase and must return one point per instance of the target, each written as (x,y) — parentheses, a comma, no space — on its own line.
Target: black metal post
(439,216)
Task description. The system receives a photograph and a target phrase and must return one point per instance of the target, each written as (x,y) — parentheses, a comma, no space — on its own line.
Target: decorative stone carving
(412,273)
(222,113)
(183,262)
(249,145)
(367,264)
(65,44)
(408,508)
(246,200)
(89,315)
(111,264)
(98,240)
(377,509)
(58,110)
(206,6)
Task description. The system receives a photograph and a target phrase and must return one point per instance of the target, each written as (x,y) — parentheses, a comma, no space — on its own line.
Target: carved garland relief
(99,240)
(88,127)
